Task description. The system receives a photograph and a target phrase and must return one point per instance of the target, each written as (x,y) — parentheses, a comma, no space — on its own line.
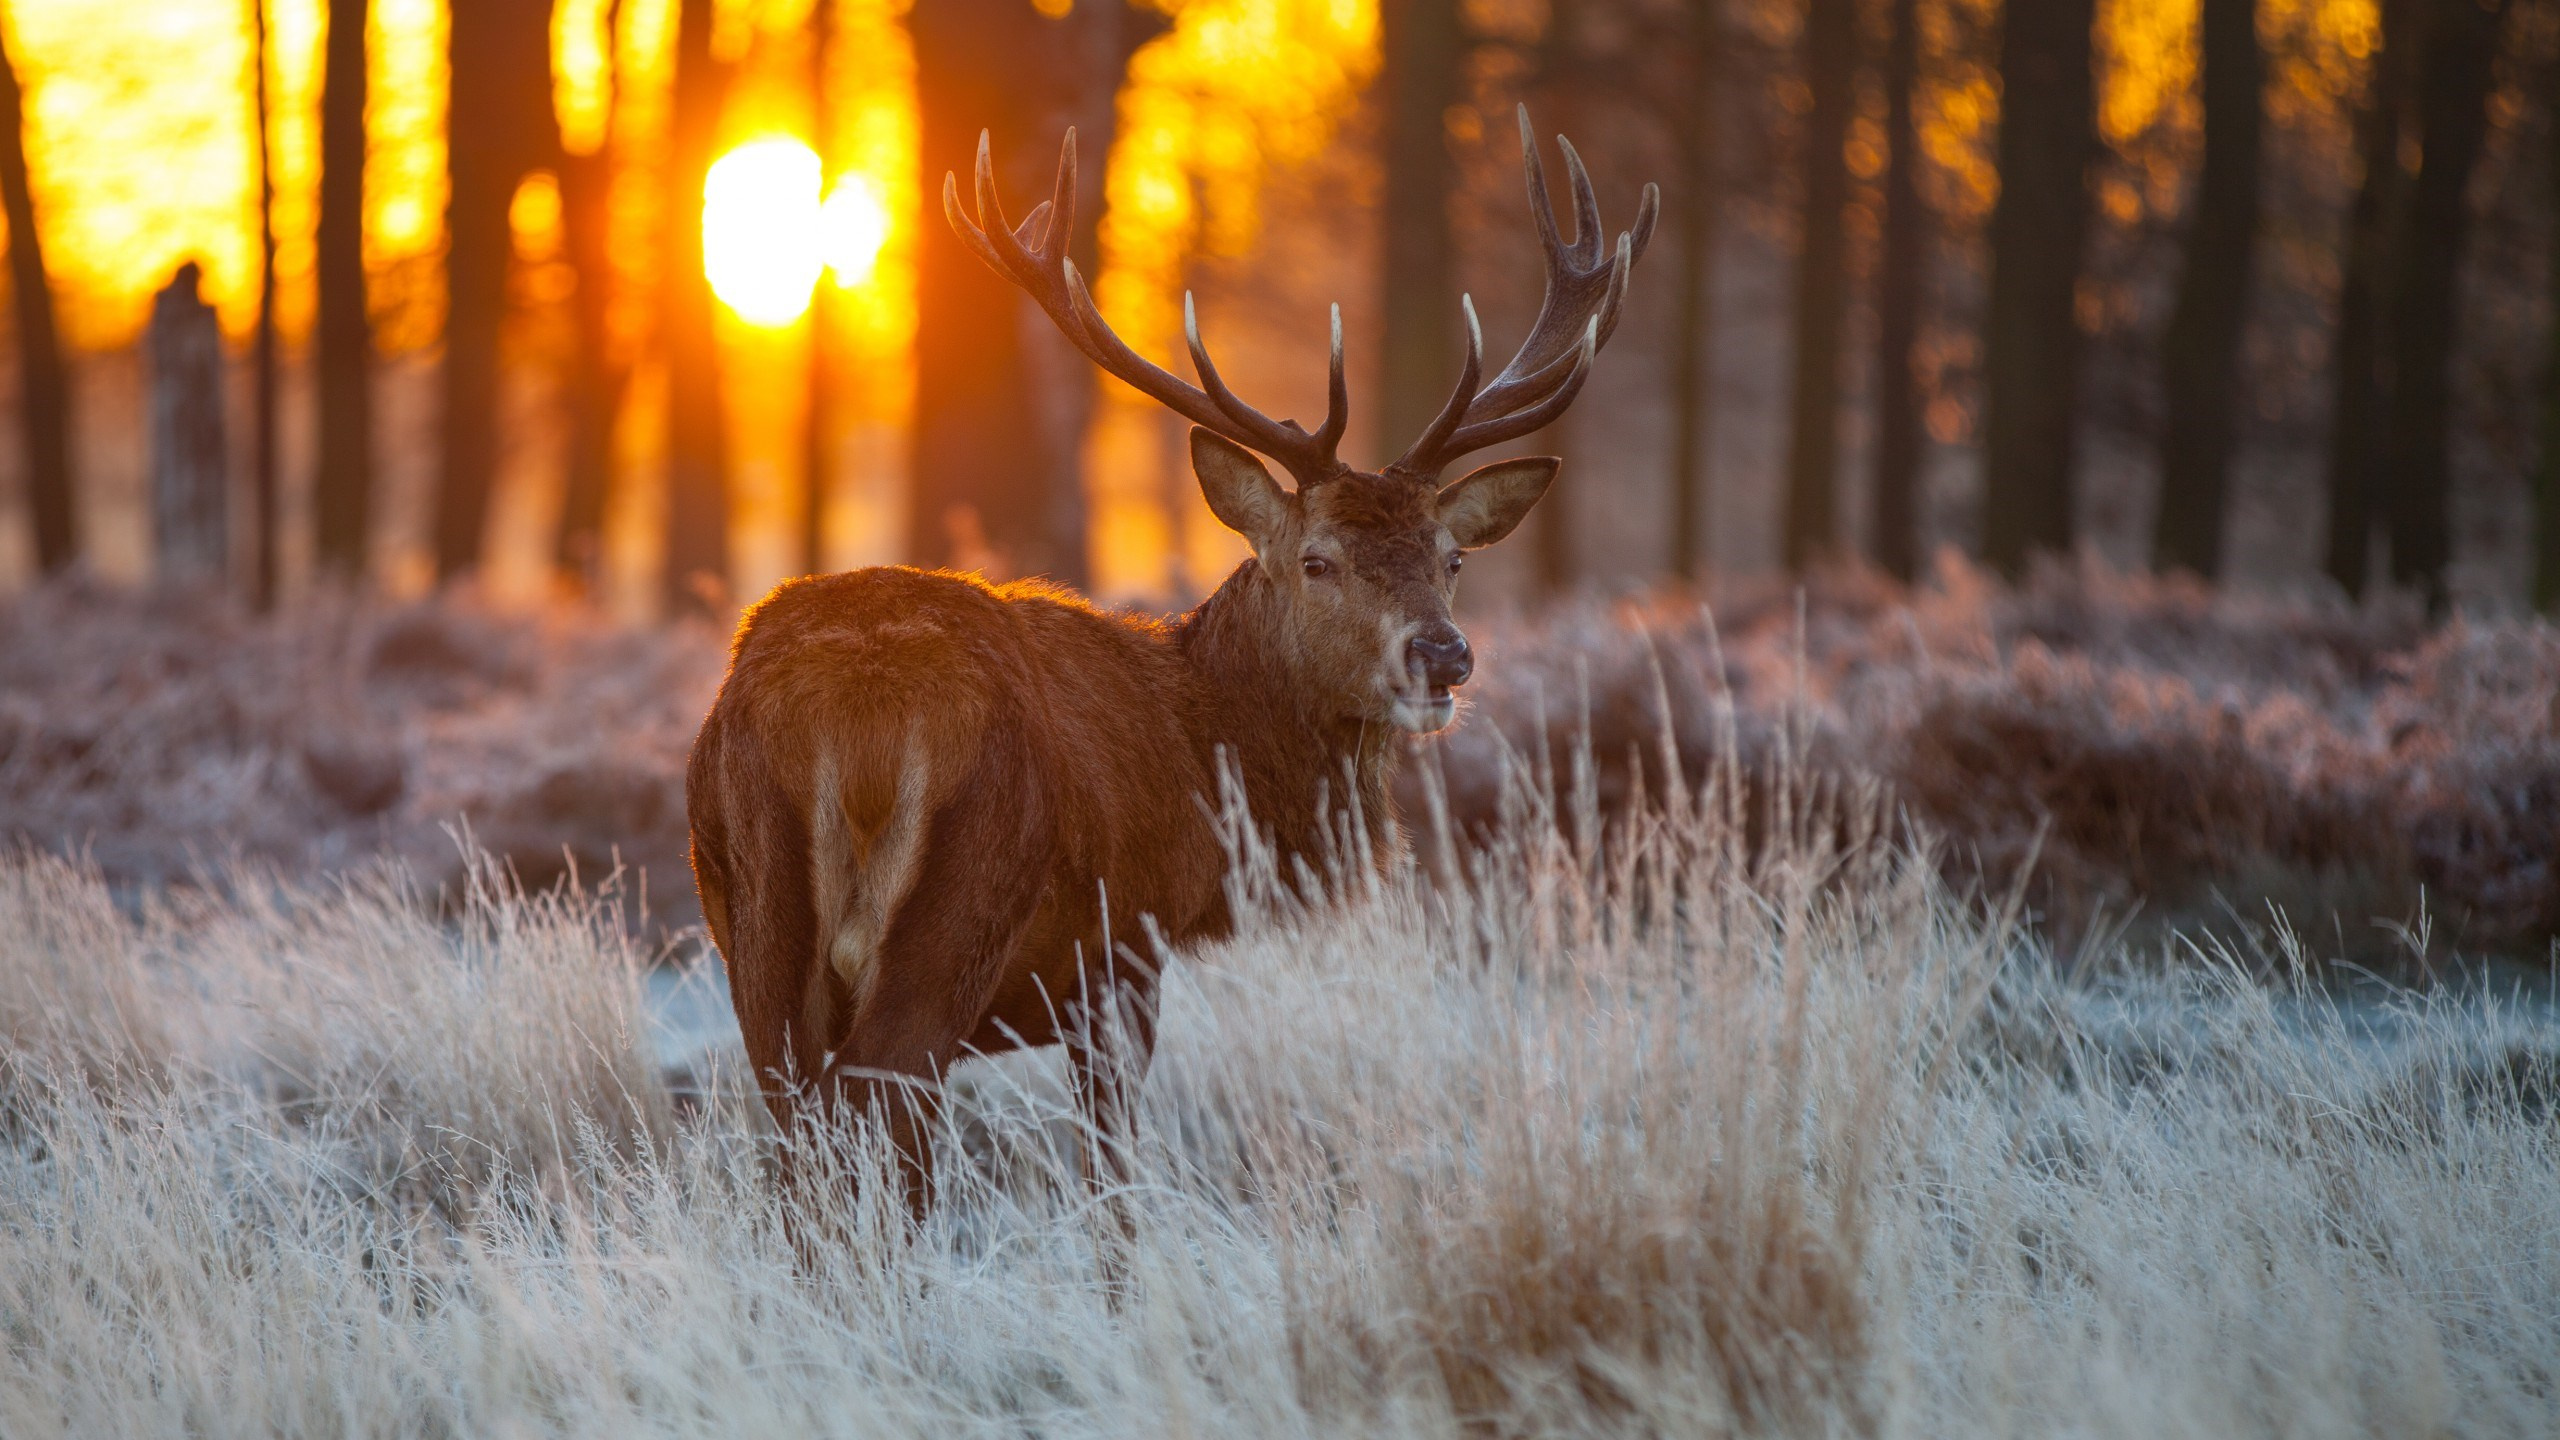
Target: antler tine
(1417,458)
(1236,410)
(1537,417)
(1337,400)
(1588,237)
(1034,257)
(1541,205)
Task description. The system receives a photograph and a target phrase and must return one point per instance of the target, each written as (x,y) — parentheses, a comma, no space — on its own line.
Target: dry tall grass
(1686,1133)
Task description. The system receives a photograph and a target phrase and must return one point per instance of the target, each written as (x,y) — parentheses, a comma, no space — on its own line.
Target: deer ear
(1241,493)
(1490,502)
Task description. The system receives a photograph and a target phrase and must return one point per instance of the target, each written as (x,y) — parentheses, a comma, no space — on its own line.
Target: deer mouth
(1432,709)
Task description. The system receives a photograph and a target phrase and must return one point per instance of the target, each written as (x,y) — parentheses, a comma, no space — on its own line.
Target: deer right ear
(1241,493)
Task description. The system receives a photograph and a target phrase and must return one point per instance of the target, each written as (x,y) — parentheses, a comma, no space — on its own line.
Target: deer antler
(1585,286)
(1034,257)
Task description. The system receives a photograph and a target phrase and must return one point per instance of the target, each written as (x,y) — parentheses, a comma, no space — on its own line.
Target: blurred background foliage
(649,302)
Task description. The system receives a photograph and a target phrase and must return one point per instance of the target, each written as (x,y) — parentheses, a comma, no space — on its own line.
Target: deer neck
(1295,762)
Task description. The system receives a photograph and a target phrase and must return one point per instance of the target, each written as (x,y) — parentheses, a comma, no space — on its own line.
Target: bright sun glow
(765,237)
(760,229)
(852,227)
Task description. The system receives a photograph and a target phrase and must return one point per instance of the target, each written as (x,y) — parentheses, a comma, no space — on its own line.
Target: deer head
(1356,569)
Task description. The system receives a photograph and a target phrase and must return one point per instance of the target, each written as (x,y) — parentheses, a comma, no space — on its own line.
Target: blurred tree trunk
(190,450)
(819,421)
(2200,357)
(1421,78)
(262,456)
(44,400)
(1692,356)
(2461,50)
(2546,511)
(1898,280)
(2359,409)
(697,563)
(999,409)
(499,127)
(2031,331)
(1830,54)
(596,381)
(341,502)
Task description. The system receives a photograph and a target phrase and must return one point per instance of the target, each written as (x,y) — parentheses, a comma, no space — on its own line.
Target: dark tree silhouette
(190,444)
(997,426)
(500,127)
(1898,280)
(1421,78)
(1830,57)
(2358,414)
(596,379)
(2461,51)
(2039,228)
(818,432)
(342,502)
(2546,507)
(697,561)
(2200,375)
(1693,217)
(44,398)
(262,445)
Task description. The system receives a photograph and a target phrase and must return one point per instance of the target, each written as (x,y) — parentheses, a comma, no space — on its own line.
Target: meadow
(1699,1084)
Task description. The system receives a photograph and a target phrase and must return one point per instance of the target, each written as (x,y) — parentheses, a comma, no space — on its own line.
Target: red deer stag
(917,791)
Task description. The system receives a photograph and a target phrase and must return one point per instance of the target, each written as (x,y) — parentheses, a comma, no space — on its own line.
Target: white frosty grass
(1667,1136)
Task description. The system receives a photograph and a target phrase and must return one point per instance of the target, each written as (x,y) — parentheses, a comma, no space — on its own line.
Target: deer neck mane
(1293,759)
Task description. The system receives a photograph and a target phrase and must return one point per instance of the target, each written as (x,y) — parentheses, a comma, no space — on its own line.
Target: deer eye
(1456,560)
(1316,566)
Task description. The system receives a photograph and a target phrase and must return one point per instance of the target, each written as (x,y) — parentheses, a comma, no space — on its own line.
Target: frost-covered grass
(1671,1133)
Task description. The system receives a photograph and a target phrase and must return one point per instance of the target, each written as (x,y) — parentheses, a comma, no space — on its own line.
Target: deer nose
(1439,654)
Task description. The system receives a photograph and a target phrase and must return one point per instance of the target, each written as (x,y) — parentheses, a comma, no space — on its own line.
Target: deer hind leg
(975,882)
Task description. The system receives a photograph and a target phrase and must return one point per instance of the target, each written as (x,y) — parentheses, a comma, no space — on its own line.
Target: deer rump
(908,806)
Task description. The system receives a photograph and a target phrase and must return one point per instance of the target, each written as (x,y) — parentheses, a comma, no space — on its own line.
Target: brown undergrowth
(2164,752)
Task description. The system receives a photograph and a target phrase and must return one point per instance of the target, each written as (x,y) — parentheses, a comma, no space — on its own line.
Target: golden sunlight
(852,227)
(760,229)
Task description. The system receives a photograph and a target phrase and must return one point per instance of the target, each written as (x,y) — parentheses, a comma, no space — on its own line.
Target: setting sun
(760,229)
(765,237)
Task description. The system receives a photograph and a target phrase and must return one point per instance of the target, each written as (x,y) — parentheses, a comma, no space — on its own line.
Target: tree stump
(190,469)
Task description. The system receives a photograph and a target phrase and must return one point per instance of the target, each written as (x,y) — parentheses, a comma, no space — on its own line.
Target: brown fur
(916,791)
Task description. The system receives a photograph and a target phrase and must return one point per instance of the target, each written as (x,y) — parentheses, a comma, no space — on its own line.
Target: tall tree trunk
(1830,53)
(697,574)
(2039,228)
(2461,49)
(500,126)
(2200,357)
(342,504)
(1422,77)
(2359,408)
(44,401)
(819,421)
(596,381)
(2546,510)
(262,457)
(1898,280)
(1692,355)
(991,476)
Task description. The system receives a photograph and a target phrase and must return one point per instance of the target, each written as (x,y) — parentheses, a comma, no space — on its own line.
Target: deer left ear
(1241,493)
(1490,502)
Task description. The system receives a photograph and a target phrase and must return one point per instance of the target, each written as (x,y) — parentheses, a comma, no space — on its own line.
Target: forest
(2256,291)
(1996,871)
